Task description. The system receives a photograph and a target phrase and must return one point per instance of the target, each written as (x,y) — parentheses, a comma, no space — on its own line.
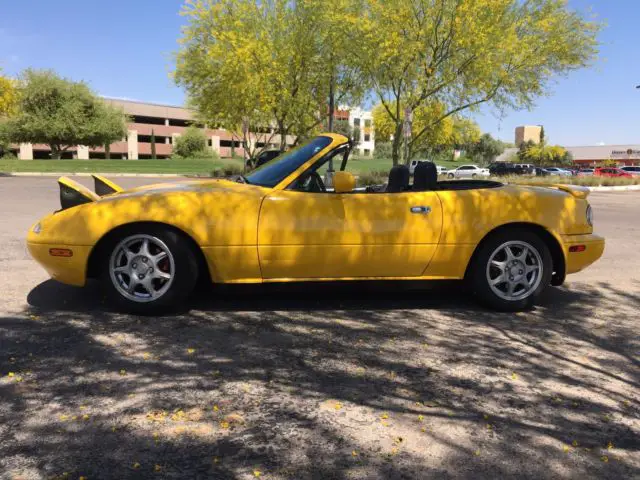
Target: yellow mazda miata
(300,217)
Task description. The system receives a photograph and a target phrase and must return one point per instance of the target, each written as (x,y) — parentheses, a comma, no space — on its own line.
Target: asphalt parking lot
(371,381)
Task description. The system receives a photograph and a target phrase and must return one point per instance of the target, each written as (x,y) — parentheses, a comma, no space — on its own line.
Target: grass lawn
(182,166)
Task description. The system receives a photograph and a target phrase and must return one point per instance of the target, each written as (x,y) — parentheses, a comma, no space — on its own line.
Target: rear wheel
(450,175)
(511,270)
(149,270)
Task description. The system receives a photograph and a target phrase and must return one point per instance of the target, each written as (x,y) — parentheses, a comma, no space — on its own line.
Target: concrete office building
(167,122)
(528,132)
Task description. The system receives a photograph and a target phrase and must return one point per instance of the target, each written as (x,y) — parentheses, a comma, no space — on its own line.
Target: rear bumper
(70,270)
(576,261)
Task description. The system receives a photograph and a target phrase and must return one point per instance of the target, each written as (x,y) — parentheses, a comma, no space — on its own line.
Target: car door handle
(424,210)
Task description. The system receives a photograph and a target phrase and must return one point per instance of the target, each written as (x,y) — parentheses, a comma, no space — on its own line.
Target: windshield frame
(335,141)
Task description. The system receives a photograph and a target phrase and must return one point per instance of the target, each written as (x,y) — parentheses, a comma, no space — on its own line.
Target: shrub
(192,143)
(227,171)
(382,150)
(372,178)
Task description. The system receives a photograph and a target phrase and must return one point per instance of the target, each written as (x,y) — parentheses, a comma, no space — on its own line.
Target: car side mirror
(343,182)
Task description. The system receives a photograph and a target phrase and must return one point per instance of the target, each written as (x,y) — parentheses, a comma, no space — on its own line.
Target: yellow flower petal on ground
(224,425)
(82,478)
(85,417)
(421,417)
(337,406)
(604,458)
(257,473)
(123,372)
(575,443)
(566,448)
(11,374)
(354,453)
(423,429)
(216,460)
(157,468)
(384,416)
(216,408)
(514,376)
(191,351)
(64,418)
(485,416)
(136,465)
(610,446)
(477,453)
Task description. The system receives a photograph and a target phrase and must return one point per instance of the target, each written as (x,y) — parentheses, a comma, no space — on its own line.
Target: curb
(619,188)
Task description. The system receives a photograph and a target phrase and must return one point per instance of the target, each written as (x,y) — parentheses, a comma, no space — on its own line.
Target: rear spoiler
(576,190)
(73,193)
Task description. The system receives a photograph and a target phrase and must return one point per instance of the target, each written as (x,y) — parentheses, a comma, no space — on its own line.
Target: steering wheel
(313,183)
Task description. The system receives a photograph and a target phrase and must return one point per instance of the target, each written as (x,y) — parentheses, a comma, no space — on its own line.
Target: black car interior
(425,178)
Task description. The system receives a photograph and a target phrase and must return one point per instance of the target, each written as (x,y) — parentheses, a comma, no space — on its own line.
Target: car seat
(425,177)
(398,179)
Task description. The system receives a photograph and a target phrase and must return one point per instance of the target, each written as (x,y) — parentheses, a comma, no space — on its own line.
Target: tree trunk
(397,144)
(107,151)
(332,100)
(56,152)
(283,135)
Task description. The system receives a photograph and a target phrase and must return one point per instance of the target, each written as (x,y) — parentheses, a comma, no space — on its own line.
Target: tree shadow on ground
(322,381)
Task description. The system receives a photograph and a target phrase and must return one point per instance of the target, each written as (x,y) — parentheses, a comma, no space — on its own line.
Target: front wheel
(450,175)
(149,270)
(511,270)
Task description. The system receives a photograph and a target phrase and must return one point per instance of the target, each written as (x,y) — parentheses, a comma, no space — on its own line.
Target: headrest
(425,176)
(343,182)
(398,179)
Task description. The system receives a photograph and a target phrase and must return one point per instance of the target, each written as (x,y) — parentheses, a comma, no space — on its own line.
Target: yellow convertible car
(300,217)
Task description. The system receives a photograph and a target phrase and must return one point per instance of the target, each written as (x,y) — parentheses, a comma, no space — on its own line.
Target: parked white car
(468,171)
(441,170)
(559,171)
(635,171)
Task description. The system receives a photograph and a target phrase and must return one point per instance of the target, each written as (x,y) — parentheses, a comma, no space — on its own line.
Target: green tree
(192,143)
(461,54)
(452,132)
(61,113)
(153,144)
(265,64)
(485,150)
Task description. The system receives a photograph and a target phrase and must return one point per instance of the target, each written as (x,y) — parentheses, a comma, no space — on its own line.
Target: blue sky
(123,48)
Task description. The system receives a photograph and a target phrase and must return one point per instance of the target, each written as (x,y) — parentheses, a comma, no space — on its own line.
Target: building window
(356,122)
(367,130)
(367,152)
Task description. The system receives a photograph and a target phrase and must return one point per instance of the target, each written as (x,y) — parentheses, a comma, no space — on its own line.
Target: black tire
(474,175)
(478,280)
(451,175)
(185,271)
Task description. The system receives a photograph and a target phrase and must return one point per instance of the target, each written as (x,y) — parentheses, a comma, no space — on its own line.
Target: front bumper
(70,270)
(576,261)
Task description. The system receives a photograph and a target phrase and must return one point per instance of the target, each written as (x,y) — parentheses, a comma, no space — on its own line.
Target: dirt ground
(363,381)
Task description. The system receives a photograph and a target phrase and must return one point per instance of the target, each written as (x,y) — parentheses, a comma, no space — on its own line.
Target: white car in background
(559,171)
(635,171)
(441,170)
(468,171)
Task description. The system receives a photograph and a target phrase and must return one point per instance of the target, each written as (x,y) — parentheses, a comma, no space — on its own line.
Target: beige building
(528,132)
(167,122)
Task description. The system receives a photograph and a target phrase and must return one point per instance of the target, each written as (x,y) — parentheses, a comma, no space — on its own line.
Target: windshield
(272,173)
